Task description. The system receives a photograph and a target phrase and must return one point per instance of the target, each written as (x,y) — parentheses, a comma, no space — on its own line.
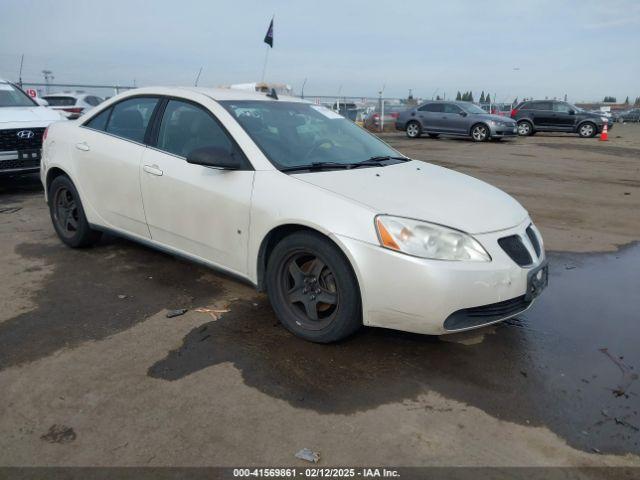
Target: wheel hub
(311,287)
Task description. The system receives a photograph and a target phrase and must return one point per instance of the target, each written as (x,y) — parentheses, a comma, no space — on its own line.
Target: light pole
(48,76)
(302,92)
(381,100)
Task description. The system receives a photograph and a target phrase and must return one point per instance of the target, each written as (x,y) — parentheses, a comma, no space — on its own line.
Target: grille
(12,164)
(10,141)
(476,316)
(514,247)
(533,238)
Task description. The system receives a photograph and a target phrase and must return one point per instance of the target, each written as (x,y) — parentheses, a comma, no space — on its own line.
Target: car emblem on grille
(25,134)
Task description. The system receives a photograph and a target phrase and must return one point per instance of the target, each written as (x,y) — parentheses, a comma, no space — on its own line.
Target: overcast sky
(586,49)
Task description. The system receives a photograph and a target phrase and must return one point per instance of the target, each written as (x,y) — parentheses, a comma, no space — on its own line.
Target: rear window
(60,101)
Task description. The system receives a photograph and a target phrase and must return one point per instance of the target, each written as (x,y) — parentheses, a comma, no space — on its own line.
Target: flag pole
(264,67)
(268,39)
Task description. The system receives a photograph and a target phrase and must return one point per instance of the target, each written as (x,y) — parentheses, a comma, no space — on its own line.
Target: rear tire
(414,130)
(312,288)
(525,128)
(67,214)
(587,130)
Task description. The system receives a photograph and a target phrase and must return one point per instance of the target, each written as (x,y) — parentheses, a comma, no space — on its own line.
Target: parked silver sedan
(436,118)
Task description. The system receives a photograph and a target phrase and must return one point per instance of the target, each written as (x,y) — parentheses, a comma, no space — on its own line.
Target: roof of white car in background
(65,94)
(217,93)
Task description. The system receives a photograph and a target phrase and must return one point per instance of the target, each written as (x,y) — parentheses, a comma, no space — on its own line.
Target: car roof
(218,94)
(456,102)
(68,94)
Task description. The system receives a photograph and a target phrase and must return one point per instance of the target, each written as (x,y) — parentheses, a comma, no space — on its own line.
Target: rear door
(430,116)
(107,154)
(202,211)
(542,114)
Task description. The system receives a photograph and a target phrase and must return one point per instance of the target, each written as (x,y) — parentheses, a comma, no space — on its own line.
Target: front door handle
(153,170)
(83,146)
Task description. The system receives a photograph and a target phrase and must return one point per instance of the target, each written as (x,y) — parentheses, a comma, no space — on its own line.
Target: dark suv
(555,116)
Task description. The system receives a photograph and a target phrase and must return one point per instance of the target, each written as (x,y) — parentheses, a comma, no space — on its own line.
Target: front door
(202,211)
(454,121)
(563,118)
(107,153)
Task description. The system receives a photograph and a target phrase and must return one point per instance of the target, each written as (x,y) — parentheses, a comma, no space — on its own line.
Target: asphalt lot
(93,373)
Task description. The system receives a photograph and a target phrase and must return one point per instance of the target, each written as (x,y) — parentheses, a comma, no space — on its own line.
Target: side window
(186,127)
(432,107)
(561,108)
(130,118)
(451,108)
(99,122)
(541,106)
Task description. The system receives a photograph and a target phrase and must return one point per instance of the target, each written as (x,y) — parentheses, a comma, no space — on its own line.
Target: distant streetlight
(48,76)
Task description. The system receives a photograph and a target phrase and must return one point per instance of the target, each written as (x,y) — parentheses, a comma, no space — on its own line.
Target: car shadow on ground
(19,185)
(533,370)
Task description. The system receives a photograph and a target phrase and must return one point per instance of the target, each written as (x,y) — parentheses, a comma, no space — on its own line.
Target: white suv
(22,125)
(72,104)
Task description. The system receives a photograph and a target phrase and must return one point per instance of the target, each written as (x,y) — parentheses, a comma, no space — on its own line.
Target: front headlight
(428,240)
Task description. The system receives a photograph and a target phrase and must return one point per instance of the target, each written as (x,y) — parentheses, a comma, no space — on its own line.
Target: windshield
(11,96)
(471,108)
(295,134)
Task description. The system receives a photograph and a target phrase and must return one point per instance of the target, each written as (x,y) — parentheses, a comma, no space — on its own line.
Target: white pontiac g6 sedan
(338,228)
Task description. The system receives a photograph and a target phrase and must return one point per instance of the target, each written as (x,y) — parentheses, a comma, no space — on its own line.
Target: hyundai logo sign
(25,134)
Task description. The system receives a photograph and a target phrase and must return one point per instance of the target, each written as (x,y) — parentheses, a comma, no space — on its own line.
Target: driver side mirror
(214,157)
(463,114)
(572,112)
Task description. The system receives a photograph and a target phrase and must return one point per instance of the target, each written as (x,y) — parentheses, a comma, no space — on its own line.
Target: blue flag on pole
(268,38)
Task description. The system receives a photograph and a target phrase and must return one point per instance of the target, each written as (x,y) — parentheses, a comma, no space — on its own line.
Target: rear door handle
(83,146)
(153,170)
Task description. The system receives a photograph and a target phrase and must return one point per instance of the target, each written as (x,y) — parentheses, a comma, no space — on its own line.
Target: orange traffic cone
(604,136)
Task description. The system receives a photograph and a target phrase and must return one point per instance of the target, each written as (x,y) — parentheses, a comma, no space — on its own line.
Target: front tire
(587,130)
(67,214)
(480,133)
(525,128)
(312,288)
(414,130)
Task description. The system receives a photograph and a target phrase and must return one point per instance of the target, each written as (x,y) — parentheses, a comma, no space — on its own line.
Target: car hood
(426,192)
(592,115)
(28,114)
(495,118)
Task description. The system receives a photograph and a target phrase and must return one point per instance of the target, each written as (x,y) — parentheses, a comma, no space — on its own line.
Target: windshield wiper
(316,166)
(378,161)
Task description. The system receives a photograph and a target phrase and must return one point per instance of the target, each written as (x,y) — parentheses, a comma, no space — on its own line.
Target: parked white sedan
(338,228)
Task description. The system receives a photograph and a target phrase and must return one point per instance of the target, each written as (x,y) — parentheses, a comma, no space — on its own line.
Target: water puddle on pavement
(569,363)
